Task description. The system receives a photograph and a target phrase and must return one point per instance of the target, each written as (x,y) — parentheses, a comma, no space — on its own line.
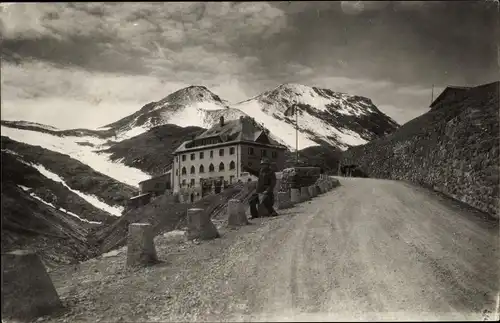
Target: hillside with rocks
(50,202)
(452,149)
(152,151)
(30,223)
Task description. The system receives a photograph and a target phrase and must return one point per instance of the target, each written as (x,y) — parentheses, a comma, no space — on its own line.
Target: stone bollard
(236,213)
(311,191)
(304,194)
(141,249)
(199,225)
(321,186)
(315,192)
(284,201)
(295,195)
(27,290)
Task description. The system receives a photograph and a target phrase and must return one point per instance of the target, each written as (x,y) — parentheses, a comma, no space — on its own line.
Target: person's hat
(264,161)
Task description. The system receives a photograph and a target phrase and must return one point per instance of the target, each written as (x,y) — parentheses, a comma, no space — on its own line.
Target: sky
(88,64)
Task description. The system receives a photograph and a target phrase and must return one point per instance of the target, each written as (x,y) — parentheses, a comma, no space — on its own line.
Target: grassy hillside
(152,151)
(453,149)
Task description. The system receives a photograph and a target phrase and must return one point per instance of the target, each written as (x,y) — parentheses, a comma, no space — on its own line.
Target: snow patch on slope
(87,155)
(114,210)
(33,195)
(284,131)
(307,123)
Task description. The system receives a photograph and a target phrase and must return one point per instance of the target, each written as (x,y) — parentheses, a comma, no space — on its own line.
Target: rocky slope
(29,223)
(50,201)
(453,149)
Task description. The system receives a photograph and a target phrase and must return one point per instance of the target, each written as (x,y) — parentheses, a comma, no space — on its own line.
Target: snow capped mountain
(191,106)
(324,116)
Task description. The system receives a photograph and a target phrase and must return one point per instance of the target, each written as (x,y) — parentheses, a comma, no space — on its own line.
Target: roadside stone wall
(297,177)
(454,150)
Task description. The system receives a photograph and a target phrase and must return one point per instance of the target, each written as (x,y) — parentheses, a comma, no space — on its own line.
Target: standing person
(265,187)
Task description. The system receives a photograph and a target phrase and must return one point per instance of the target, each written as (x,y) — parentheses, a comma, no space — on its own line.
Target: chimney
(221,121)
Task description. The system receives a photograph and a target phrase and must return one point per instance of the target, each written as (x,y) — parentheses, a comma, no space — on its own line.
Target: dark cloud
(77,51)
(441,42)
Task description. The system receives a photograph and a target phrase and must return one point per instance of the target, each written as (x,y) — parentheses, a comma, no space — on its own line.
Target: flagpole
(432,95)
(296,136)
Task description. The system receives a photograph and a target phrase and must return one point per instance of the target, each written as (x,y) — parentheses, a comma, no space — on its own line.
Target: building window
(211,154)
(183,182)
(263,152)
(231,151)
(183,157)
(211,168)
(202,169)
(221,167)
(232,165)
(221,152)
(274,154)
(192,182)
(202,155)
(183,170)
(193,170)
(231,179)
(192,156)
(176,172)
(250,150)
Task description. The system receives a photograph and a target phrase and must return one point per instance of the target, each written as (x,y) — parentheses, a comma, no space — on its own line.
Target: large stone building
(222,155)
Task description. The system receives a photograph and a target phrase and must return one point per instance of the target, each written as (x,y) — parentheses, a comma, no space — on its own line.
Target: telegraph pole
(432,94)
(296,135)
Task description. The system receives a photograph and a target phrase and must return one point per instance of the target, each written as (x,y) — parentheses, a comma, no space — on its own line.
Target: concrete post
(311,191)
(284,201)
(200,225)
(236,213)
(295,195)
(304,194)
(141,249)
(27,290)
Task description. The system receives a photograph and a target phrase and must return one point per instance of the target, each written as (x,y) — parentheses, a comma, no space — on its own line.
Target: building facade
(224,154)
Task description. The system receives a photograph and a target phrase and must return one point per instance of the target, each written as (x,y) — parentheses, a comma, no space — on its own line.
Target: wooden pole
(432,94)
(296,136)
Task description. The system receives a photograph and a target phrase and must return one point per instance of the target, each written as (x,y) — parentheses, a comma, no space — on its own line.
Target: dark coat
(267,181)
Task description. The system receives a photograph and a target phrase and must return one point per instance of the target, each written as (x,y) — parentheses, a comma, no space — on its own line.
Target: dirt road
(369,250)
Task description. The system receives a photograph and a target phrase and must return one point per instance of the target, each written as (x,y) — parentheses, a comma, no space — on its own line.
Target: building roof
(139,196)
(447,91)
(167,175)
(244,129)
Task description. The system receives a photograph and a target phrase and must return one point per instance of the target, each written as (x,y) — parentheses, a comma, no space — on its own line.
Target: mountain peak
(193,93)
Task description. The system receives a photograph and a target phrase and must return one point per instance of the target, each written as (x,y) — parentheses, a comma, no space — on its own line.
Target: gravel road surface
(368,250)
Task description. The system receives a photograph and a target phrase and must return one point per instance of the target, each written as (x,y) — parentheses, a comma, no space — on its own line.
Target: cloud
(123,55)
(358,7)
